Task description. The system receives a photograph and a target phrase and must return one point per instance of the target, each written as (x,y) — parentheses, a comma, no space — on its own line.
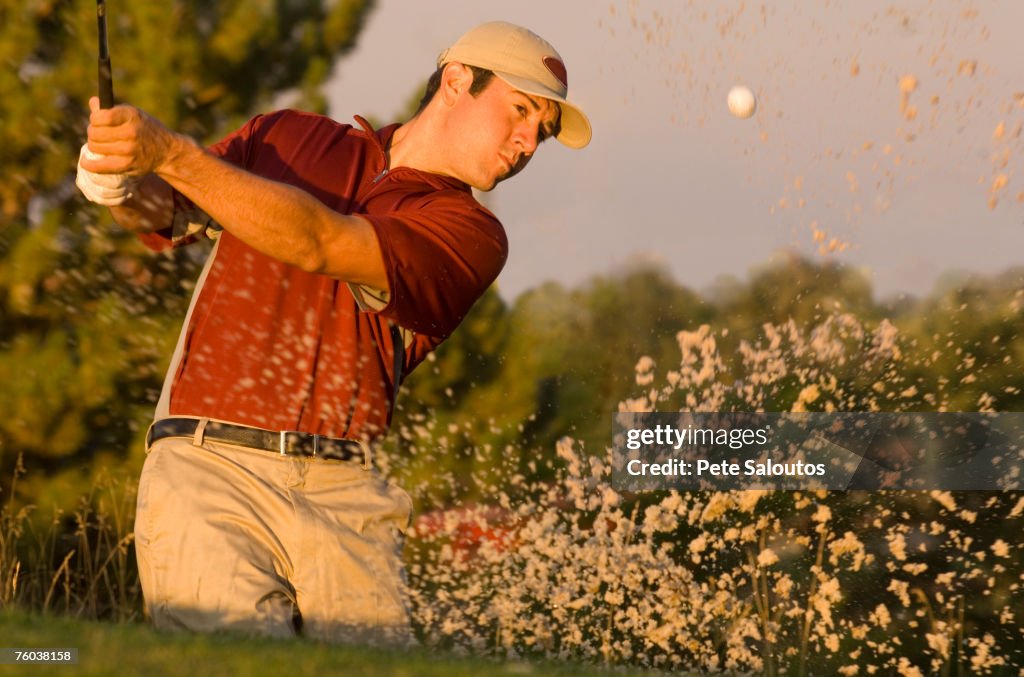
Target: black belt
(285,442)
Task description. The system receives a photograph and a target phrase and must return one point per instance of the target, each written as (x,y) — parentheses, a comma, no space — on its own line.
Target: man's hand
(126,140)
(117,166)
(109,190)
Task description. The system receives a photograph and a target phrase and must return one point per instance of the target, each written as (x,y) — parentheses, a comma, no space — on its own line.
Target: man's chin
(504,177)
(487,188)
(512,171)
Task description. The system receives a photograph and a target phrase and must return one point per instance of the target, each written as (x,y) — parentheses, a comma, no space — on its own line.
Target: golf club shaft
(106,83)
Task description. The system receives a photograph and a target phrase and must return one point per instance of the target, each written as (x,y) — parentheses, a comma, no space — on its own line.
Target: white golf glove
(109,190)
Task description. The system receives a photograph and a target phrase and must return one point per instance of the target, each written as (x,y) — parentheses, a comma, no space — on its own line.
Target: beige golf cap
(526,62)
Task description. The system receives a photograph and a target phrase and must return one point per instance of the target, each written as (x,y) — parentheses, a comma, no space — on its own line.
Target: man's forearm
(151,206)
(279,220)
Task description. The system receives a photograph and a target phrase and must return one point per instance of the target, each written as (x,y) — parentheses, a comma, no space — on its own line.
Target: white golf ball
(741,101)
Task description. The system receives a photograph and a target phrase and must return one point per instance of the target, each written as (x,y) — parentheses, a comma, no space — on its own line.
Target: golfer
(343,256)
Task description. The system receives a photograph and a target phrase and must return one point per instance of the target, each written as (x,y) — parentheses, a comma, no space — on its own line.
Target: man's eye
(521,110)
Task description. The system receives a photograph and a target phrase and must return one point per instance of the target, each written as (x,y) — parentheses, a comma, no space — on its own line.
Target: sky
(887,135)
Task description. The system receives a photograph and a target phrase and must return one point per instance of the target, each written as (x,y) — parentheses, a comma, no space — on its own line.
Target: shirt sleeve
(190,223)
(441,253)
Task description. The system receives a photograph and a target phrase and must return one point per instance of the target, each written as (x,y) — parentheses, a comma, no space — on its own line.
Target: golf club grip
(106,84)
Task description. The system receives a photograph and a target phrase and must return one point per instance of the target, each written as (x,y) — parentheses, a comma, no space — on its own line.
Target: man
(343,257)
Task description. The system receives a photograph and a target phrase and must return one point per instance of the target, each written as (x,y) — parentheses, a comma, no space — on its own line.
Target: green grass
(136,649)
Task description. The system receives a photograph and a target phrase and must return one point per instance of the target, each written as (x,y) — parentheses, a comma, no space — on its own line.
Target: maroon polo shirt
(269,345)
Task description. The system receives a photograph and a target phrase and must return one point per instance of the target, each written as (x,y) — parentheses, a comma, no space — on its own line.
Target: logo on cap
(557,68)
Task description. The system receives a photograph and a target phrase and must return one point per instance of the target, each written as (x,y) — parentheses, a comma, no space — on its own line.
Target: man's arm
(150,208)
(274,218)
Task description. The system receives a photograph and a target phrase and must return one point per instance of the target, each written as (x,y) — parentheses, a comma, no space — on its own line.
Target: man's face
(500,129)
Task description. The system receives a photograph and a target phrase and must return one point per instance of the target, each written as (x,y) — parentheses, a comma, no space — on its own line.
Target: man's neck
(415,145)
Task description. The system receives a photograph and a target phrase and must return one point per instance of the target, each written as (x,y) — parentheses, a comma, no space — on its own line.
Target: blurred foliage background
(88,318)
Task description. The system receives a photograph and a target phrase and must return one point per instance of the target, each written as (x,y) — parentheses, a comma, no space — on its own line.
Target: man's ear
(455,79)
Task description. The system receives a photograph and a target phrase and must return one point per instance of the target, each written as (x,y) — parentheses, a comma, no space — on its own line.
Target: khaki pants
(231,538)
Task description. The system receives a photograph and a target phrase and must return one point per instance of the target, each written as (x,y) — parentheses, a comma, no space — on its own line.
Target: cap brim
(575,131)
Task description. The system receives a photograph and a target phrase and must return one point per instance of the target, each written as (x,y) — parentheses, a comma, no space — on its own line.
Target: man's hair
(481,78)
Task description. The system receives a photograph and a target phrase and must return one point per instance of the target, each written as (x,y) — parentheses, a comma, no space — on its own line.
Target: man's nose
(526,137)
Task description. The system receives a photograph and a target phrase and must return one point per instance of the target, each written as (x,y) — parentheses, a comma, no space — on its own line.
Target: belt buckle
(283,444)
